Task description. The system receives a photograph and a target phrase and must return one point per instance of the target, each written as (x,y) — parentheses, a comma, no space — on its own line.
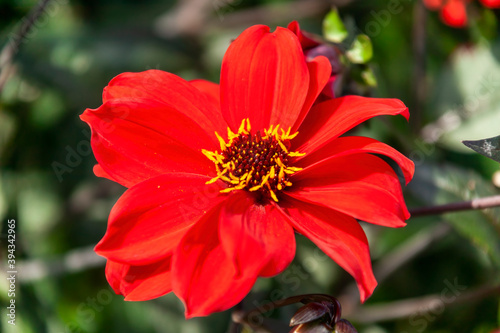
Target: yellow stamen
(209,155)
(221,141)
(229,189)
(275,131)
(273,195)
(224,178)
(249,176)
(230,134)
(242,128)
(213,180)
(281,175)
(290,137)
(245,160)
(269,131)
(249,127)
(282,146)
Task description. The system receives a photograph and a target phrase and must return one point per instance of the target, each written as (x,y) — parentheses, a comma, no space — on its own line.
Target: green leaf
(361,50)
(487,25)
(369,77)
(333,27)
(487,147)
(442,184)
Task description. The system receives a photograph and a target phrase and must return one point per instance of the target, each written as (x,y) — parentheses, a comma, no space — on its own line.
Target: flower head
(220,178)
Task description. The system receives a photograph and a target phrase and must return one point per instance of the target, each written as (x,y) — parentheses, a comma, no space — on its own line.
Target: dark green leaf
(487,147)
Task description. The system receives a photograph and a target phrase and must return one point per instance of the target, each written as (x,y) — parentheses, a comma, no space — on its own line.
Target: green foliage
(369,77)
(444,184)
(333,27)
(361,50)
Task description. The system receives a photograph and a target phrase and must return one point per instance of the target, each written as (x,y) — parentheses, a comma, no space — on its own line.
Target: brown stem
(421,305)
(419,86)
(480,203)
(10,50)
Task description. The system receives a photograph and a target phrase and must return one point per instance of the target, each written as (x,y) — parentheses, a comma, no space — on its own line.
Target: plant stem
(420,84)
(480,203)
(421,305)
(11,48)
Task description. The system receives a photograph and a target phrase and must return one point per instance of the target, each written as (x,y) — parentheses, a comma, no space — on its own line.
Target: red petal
(203,275)
(255,236)
(149,220)
(454,13)
(328,120)
(264,77)
(361,185)
(357,144)
(319,71)
(99,172)
(210,90)
(305,41)
(491,3)
(134,140)
(339,236)
(170,90)
(140,283)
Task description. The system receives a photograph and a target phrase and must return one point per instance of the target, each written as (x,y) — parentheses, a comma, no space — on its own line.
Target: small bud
(320,314)
(312,327)
(344,326)
(331,52)
(308,313)
(316,317)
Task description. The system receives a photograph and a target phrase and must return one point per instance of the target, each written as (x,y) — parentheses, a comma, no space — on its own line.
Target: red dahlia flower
(206,212)
(454,12)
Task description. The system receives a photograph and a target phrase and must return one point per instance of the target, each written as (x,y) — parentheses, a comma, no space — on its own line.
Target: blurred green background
(61,208)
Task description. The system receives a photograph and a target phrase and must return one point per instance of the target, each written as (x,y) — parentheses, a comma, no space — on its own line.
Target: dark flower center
(254,162)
